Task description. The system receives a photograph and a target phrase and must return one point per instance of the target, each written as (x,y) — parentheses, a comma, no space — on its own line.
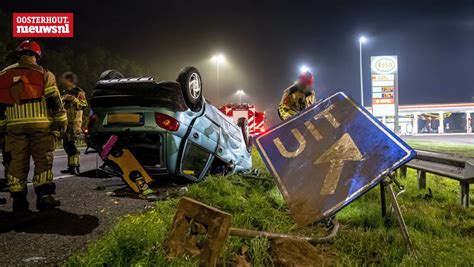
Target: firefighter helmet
(306,79)
(29,46)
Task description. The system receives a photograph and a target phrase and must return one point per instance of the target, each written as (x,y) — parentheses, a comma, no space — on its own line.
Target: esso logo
(385,65)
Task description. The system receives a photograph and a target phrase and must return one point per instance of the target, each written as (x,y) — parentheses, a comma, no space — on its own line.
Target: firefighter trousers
(69,145)
(22,144)
(7,158)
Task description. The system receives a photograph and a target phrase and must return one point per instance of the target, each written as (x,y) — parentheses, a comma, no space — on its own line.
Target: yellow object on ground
(129,164)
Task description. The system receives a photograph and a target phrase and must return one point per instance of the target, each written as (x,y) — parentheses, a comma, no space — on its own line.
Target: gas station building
(433,118)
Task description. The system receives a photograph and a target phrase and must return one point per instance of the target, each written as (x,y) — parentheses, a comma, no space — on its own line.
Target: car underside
(166,131)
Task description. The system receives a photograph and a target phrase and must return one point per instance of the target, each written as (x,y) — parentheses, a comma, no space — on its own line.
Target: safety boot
(44,197)
(46,203)
(20,203)
(71,170)
(3,183)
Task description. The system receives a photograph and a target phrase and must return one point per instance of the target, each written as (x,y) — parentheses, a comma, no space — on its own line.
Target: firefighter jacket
(294,101)
(75,102)
(29,96)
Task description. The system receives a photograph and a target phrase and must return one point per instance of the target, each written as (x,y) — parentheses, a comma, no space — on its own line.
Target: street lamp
(304,69)
(362,40)
(218,59)
(240,93)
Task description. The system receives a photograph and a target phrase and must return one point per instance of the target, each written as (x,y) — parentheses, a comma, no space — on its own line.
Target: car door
(200,147)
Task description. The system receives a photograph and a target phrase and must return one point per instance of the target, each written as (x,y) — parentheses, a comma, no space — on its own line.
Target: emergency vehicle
(256,119)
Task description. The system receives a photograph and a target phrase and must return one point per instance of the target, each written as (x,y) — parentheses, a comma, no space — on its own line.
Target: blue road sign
(325,157)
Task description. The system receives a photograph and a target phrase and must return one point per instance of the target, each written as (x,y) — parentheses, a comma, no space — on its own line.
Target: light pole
(304,69)
(240,93)
(362,40)
(218,59)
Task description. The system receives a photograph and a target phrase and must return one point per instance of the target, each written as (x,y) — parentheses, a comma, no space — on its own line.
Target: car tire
(244,127)
(191,87)
(111,74)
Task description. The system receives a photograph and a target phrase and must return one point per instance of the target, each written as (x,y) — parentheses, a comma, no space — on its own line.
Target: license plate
(124,118)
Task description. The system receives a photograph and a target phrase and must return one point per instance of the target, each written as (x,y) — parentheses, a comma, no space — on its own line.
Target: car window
(194,160)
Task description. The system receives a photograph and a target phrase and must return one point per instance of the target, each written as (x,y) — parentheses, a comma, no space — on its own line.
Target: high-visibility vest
(28,84)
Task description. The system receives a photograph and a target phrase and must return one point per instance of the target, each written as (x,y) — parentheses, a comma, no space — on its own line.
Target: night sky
(265,42)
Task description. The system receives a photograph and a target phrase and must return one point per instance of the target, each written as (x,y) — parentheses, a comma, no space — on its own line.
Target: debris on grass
(292,253)
(198,231)
(441,230)
(241,260)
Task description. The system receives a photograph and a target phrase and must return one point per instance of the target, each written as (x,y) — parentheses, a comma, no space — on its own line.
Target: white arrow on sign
(342,150)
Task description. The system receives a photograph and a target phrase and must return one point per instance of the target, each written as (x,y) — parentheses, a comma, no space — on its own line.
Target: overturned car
(169,127)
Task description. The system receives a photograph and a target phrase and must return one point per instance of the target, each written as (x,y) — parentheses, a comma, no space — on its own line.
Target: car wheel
(244,127)
(111,74)
(191,86)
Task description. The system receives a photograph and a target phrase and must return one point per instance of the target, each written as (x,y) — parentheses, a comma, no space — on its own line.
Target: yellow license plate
(126,118)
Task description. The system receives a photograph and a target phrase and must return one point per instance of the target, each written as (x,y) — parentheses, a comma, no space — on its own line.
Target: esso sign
(385,65)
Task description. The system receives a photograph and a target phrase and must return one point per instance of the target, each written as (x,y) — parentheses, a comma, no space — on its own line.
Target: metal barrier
(448,165)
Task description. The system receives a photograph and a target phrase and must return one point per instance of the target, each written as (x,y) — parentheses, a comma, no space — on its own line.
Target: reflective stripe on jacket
(32,110)
(293,101)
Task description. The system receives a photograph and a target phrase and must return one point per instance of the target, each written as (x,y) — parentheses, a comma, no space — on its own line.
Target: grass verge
(462,149)
(442,232)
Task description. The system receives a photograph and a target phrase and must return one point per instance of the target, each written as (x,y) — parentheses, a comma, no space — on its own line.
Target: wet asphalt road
(85,214)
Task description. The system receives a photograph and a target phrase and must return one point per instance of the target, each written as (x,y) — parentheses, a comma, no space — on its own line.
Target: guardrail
(448,165)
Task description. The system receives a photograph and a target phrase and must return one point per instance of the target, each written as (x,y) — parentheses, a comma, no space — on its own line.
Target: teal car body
(154,121)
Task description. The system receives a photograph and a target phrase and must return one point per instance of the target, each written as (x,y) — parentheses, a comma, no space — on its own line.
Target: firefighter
(6,158)
(74,99)
(297,97)
(3,180)
(6,161)
(32,112)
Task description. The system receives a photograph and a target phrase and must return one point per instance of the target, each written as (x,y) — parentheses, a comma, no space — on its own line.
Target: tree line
(87,63)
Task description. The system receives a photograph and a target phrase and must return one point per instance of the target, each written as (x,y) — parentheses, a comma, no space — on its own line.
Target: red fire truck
(256,120)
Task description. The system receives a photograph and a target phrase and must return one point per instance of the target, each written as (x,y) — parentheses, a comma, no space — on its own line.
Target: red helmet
(31,46)
(306,79)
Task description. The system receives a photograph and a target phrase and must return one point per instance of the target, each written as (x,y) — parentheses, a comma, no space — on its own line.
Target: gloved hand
(62,128)
(68,97)
(59,129)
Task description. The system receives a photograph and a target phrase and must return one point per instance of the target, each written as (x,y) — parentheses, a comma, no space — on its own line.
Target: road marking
(82,149)
(57,178)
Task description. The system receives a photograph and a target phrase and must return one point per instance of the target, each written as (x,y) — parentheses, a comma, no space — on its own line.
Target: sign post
(329,155)
(384,71)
